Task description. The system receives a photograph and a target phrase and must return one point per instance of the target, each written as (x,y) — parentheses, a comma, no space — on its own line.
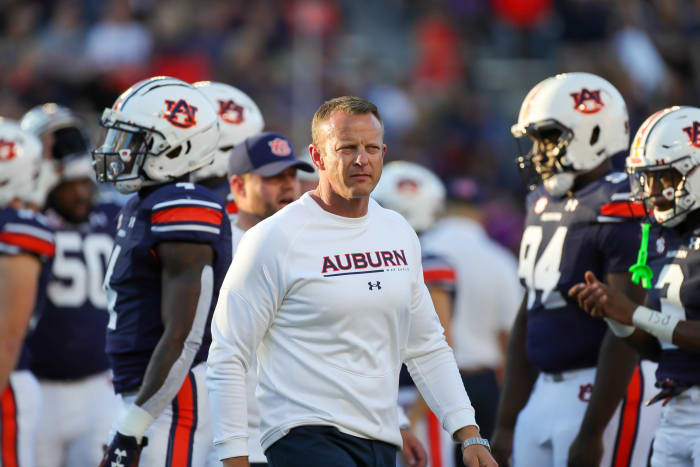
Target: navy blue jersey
(677,292)
(68,343)
(224,191)
(182,212)
(25,232)
(594,229)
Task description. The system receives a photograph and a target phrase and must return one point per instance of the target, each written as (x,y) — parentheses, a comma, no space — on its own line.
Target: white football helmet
(20,159)
(574,121)
(67,156)
(413,191)
(663,163)
(158,130)
(239,118)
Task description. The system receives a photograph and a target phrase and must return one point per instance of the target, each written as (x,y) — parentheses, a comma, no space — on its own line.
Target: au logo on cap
(280,147)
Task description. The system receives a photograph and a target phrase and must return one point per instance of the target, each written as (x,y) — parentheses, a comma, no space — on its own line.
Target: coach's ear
(237,186)
(316,157)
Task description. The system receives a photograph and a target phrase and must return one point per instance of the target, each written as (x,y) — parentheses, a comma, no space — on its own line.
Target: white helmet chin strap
(669,218)
(559,184)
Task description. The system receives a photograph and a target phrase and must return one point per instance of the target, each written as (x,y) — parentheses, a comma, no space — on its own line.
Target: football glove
(123,451)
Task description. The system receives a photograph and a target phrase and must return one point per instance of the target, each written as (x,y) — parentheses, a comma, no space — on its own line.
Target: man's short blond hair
(350,105)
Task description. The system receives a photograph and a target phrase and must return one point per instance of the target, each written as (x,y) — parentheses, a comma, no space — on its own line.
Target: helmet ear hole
(174,153)
(595,134)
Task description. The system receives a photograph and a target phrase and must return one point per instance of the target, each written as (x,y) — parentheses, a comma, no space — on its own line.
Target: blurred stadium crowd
(448,75)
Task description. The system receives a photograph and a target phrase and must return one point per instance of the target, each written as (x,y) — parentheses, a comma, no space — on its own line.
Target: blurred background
(448,75)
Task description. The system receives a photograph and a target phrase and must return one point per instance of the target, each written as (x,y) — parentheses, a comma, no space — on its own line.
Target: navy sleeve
(619,243)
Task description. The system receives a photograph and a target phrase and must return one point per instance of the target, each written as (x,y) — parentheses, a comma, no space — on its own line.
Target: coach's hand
(586,451)
(123,451)
(478,456)
(413,453)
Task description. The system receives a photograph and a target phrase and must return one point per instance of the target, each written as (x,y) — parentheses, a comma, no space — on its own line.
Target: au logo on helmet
(180,113)
(230,112)
(693,133)
(280,147)
(586,101)
(7,150)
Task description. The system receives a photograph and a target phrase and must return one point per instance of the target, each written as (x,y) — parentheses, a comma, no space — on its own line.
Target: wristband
(619,329)
(135,422)
(656,323)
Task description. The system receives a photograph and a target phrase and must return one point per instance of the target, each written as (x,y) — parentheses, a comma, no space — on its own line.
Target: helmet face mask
(120,158)
(542,149)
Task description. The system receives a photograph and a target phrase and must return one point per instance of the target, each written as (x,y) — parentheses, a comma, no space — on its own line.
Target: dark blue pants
(326,446)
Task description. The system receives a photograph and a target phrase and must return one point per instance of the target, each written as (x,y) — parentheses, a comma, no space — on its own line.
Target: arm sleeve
(25,232)
(619,243)
(438,272)
(192,219)
(250,297)
(431,362)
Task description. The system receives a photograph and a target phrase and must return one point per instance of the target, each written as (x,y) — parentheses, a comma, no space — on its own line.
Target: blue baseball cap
(266,154)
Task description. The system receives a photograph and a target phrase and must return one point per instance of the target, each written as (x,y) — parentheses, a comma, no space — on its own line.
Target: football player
(664,164)
(578,218)
(172,249)
(461,267)
(239,118)
(67,346)
(26,247)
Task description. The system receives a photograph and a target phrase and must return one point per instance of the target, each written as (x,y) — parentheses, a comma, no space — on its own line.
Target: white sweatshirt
(335,305)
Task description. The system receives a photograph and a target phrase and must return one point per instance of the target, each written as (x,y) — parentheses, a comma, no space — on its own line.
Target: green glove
(640,270)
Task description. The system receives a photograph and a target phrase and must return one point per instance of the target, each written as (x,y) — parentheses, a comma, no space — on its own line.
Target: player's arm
(616,364)
(18,289)
(519,380)
(186,294)
(651,325)
(183,280)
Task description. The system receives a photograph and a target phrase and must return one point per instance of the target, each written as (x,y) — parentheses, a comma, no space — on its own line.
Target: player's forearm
(520,374)
(235,462)
(616,364)
(17,297)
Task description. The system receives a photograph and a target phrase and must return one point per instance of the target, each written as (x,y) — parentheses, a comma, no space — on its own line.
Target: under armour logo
(587,102)
(571,205)
(230,112)
(693,133)
(180,113)
(584,392)
(120,453)
(375,285)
